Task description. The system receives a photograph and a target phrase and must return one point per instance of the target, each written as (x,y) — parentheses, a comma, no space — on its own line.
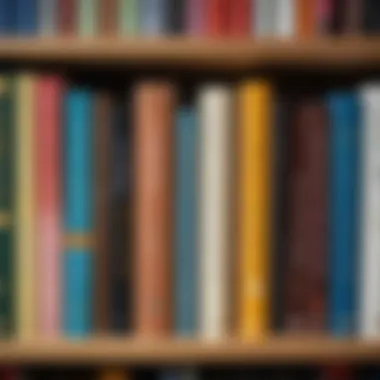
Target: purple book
(195,17)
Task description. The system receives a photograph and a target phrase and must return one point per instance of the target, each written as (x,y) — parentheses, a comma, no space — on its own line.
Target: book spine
(325,16)
(215,107)
(216,17)
(115,374)
(25,242)
(185,374)
(240,18)
(307,12)
(344,115)
(154,17)
(154,111)
(186,194)
(353,17)
(176,16)
(108,17)
(285,19)
(371,16)
(7,259)
(87,18)
(129,17)
(49,96)
(195,17)
(26,17)
(254,237)
(67,17)
(79,219)
(47,17)
(369,319)
(264,14)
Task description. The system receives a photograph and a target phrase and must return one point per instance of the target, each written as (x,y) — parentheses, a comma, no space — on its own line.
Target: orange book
(307,18)
(154,115)
(254,208)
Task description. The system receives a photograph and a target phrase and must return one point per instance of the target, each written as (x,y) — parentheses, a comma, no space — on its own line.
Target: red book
(217,17)
(240,18)
(67,17)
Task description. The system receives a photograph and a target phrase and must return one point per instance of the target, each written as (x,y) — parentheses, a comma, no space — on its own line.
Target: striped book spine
(26,260)
(153,17)
(47,17)
(49,92)
(78,208)
(186,244)
(87,18)
(129,17)
(26,17)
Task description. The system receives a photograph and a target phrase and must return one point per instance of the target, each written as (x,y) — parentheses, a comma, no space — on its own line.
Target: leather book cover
(307,11)
(217,13)
(154,106)
(371,16)
(239,15)
(67,18)
(108,13)
(305,270)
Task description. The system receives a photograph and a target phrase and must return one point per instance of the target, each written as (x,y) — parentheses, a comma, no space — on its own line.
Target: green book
(88,18)
(6,206)
(128,15)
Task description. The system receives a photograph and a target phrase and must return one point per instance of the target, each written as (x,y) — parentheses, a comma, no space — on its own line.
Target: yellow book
(25,243)
(254,208)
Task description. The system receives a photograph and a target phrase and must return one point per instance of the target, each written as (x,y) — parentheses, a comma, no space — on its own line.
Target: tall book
(305,269)
(264,16)
(108,14)
(239,18)
(369,318)
(25,242)
(154,104)
(195,17)
(371,16)
(154,17)
(254,208)
(26,17)
(285,18)
(47,17)
(7,17)
(215,133)
(67,17)
(49,98)
(307,11)
(79,213)
(7,220)
(186,221)
(216,17)
(129,17)
(88,17)
(344,124)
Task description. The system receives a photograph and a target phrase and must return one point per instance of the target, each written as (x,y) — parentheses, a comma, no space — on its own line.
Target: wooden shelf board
(223,54)
(138,352)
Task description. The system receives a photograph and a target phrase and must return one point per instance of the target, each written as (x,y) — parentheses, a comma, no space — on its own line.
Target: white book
(264,15)
(215,105)
(369,278)
(285,18)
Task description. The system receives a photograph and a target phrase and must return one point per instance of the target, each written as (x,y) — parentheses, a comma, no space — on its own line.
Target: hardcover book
(239,13)
(129,17)
(195,17)
(67,17)
(88,17)
(217,14)
(26,17)
(108,17)
(47,17)
(154,17)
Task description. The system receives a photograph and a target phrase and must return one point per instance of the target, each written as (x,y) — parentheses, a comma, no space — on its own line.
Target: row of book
(285,18)
(236,211)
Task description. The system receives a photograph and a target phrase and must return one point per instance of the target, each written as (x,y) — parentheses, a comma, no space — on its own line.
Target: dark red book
(217,17)
(240,18)
(67,19)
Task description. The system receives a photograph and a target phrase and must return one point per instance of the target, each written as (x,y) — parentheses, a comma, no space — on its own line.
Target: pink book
(195,17)
(324,15)
(48,163)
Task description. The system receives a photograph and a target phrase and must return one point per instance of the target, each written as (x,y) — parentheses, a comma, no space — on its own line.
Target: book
(7,227)
(344,123)
(307,11)
(263,19)
(26,17)
(369,317)
(129,16)
(7,17)
(88,17)
(353,17)
(371,16)
(285,18)
(154,104)
(186,273)
(47,17)
(215,147)
(176,16)
(78,261)
(67,17)
(25,239)
(179,374)
(154,17)
(239,13)
(326,14)
(216,17)
(255,143)
(114,374)
(108,18)
(49,100)
(195,17)
(306,261)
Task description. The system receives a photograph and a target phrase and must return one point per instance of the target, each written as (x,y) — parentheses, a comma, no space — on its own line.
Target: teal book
(88,18)
(6,207)
(128,17)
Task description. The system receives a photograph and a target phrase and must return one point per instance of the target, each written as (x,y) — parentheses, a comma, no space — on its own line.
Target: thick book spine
(344,116)
(263,20)
(371,16)
(129,17)
(154,17)
(307,13)
(79,218)
(7,163)
(369,318)
(108,22)
(47,17)
(154,104)
(67,17)
(87,18)
(239,13)
(254,204)
(26,17)
(25,248)
(195,17)
(49,97)
(216,13)
(285,18)
(215,132)
(186,235)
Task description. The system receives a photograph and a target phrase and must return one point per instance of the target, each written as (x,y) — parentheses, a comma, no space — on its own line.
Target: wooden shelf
(130,351)
(231,54)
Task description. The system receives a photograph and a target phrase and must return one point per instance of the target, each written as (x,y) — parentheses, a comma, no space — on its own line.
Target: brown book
(114,374)
(307,18)
(108,14)
(353,17)
(305,266)
(67,17)
(154,104)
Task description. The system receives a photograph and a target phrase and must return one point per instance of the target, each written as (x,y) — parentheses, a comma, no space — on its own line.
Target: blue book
(154,17)
(7,17)
(186,236)
(26,17)
(344,137)
(79,213)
